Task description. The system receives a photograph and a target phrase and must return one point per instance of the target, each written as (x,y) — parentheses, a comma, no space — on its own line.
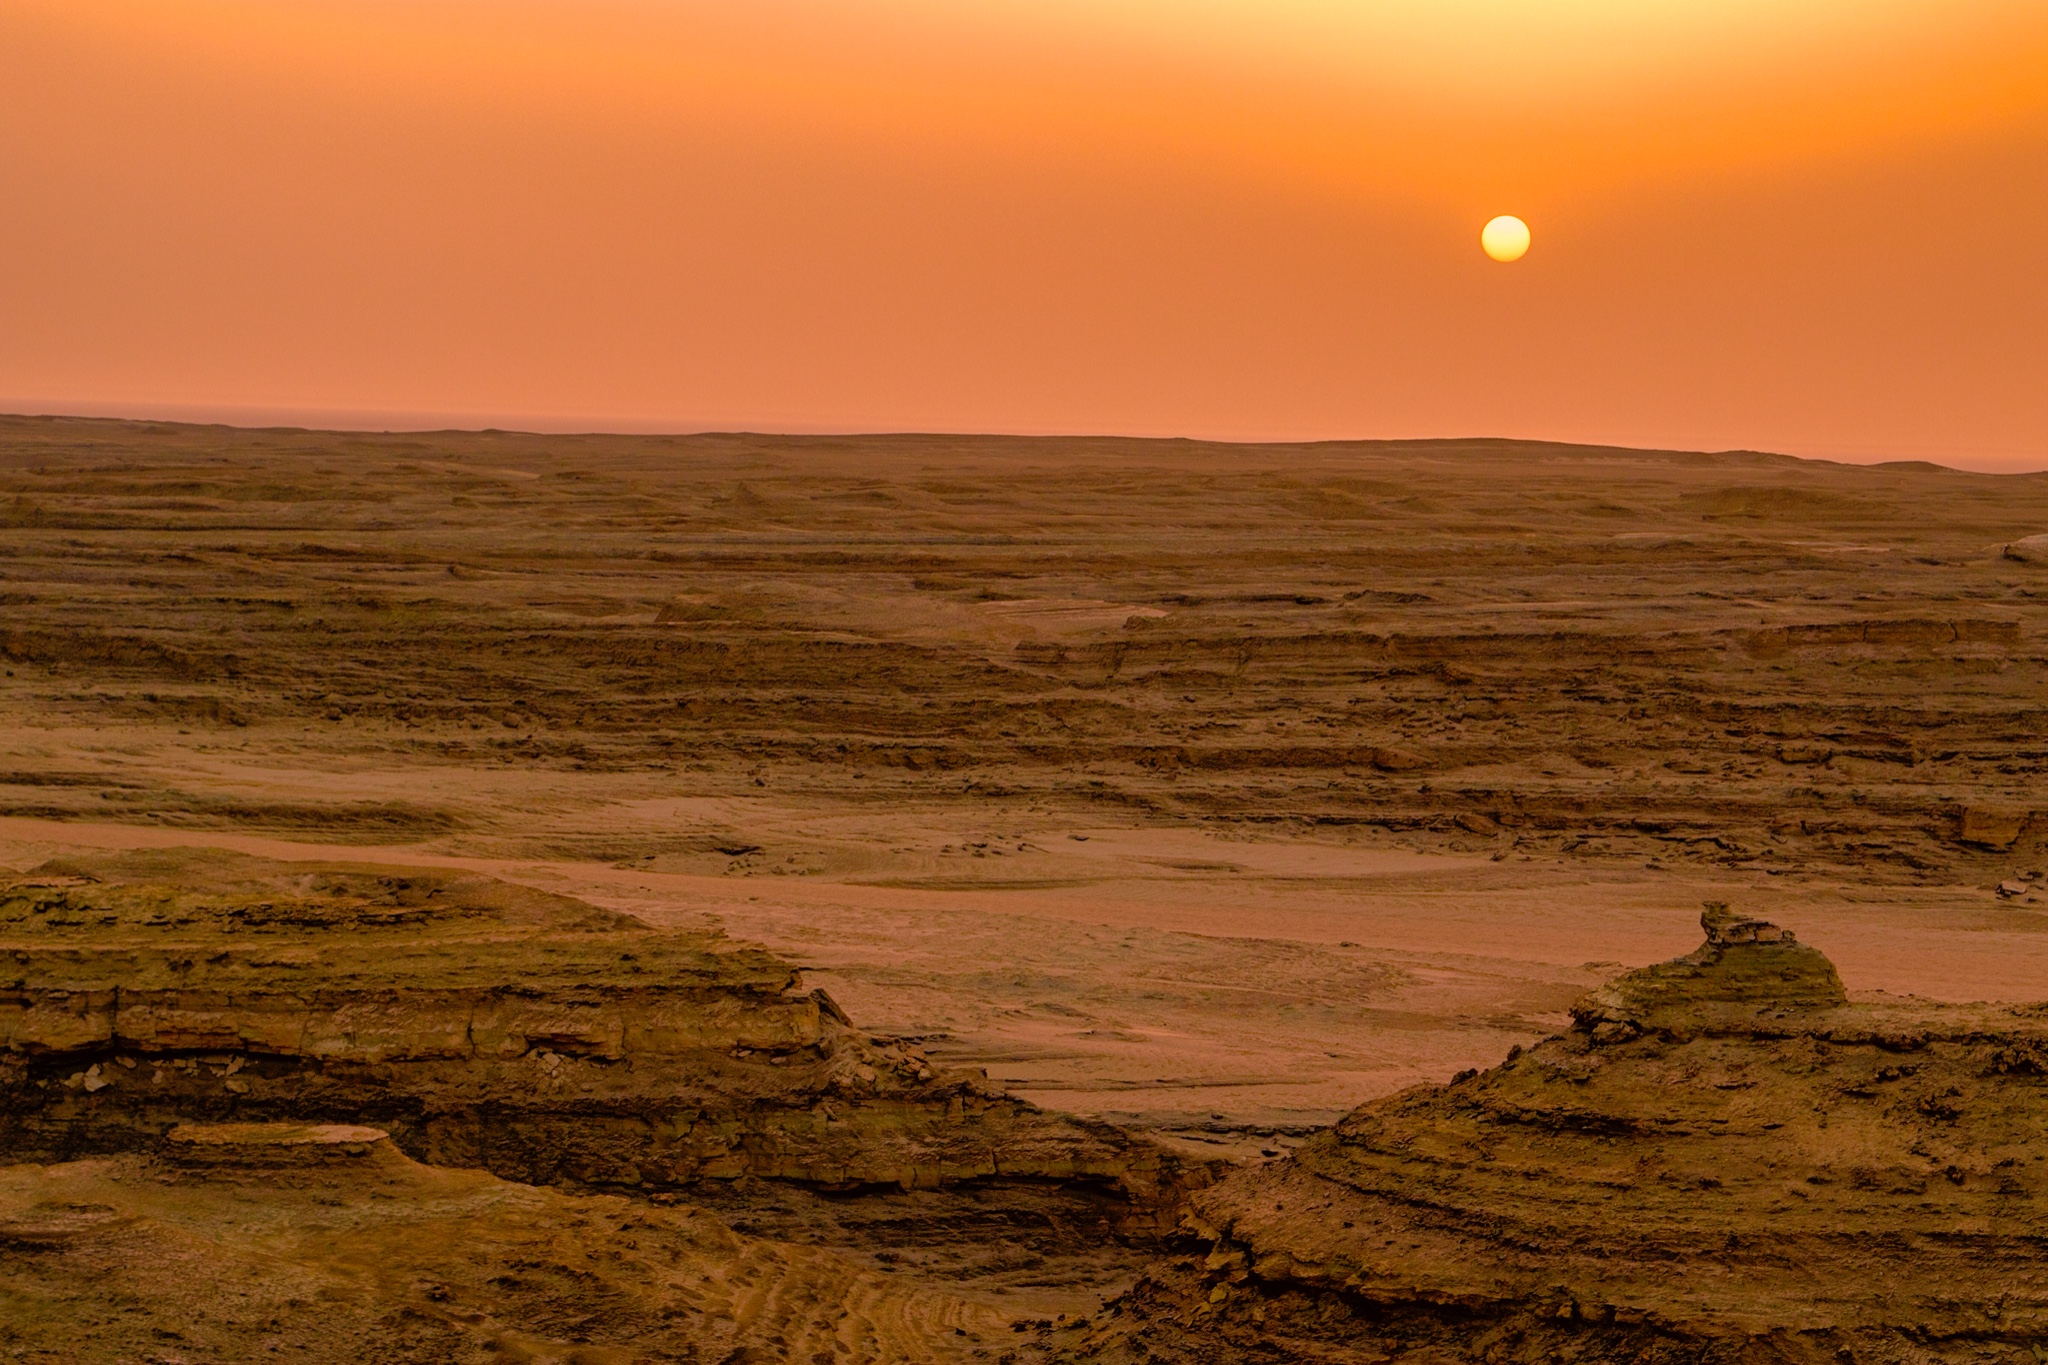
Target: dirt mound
(1723,1159)
(481,1024)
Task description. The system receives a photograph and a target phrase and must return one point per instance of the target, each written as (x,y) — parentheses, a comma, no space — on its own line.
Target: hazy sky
(1807,225)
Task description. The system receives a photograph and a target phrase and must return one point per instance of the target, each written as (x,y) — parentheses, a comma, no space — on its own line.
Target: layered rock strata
(1602,655)
(481,1024)
(254,1242)
(1723,1159)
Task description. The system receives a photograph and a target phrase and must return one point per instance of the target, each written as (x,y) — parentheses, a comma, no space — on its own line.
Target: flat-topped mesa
(1747,969)
(481,1024)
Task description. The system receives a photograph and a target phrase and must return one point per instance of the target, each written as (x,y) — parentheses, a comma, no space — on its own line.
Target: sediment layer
(1723,1158)
(275,1247)
(1732,659)
(482,1024)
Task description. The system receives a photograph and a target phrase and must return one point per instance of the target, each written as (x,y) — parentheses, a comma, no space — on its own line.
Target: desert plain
(1188,795)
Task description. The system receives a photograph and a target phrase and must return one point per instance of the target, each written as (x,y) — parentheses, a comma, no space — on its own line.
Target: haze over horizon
(1803,227)
(417,423)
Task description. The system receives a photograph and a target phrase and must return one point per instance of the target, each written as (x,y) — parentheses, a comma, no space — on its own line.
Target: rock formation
(1723,1159)
(1716,660)
(481,1024)
(250,1242)
(2028,550)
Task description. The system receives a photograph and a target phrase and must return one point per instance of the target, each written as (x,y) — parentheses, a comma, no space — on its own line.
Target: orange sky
(1808,225)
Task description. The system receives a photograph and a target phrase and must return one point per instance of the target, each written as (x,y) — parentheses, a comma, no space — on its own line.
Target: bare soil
(1210,790)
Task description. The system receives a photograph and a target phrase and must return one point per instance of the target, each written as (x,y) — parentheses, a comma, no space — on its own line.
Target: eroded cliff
(1723,1159)
(268,1242)
(482,1024)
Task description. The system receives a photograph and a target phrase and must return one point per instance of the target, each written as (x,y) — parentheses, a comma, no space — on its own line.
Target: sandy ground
(1207,789)
(1227,992)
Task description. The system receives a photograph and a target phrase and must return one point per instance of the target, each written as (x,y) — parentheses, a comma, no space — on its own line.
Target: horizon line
(403,422)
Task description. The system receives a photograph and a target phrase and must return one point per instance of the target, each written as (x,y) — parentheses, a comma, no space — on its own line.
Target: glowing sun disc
(1506,238)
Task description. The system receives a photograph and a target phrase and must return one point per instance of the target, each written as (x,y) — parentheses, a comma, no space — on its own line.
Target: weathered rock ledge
(481,1024)
(1724,1158)
(255,1242)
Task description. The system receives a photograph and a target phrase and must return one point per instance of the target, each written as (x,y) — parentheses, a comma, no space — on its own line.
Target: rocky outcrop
(1723,1159)
(254,1242)
(1746,965)
(2028,550)
(1991,828)
(271,1148)
(481,1024)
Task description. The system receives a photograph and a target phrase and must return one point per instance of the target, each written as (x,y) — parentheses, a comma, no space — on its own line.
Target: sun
(1505,239)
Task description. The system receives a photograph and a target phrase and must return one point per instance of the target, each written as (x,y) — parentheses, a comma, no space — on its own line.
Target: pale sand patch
(1190,982)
